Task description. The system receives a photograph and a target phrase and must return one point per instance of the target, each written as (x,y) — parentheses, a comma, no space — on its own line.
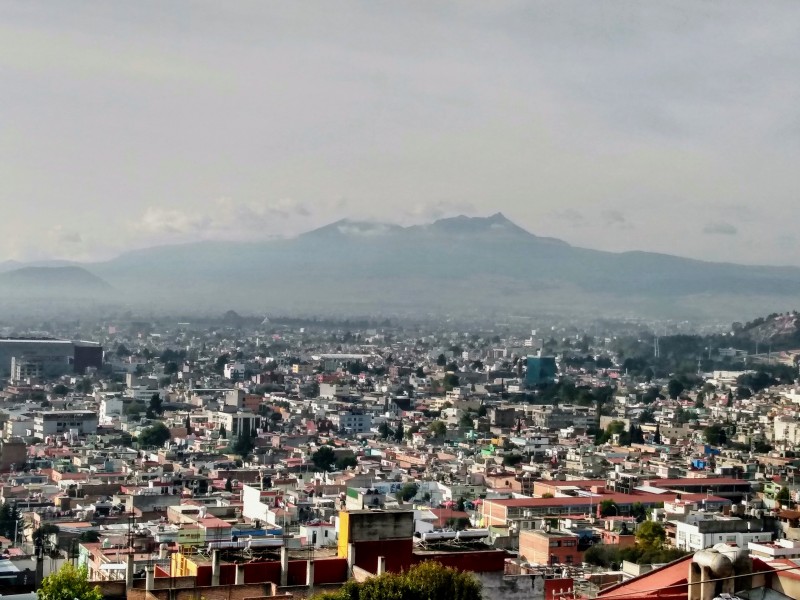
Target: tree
(639,511)
(651,534)
(450,381)
(441,360)
(89,537)
(228,485)
(438,429)
(324,458)
(346,462)
(10,520)
(244,443)
(428,579)
(69,583)
(408,491)
(154,436)
(783,496)
(675,388)
(609,508)
(155,405)
(715,435)
(384,430)
(223,433)
(465,422)
(399,433)
(60,389)
(457,523)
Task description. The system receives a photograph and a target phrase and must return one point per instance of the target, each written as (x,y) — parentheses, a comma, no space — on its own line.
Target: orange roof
(670,581)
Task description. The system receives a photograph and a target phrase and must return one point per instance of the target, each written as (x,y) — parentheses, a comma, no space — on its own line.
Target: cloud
(63,236)
(720,228)
(615,218)
(438,209)
(225,217)
(570,215)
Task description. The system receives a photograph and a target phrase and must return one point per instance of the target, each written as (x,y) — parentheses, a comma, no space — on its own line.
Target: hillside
(460,265)
(38,282)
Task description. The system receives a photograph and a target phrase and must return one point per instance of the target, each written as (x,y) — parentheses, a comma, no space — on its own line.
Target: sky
(618,125)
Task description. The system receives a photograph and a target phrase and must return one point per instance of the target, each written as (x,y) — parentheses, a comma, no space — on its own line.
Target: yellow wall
(344,533)
(182,566)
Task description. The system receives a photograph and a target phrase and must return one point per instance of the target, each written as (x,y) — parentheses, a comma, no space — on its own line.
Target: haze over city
(668,127)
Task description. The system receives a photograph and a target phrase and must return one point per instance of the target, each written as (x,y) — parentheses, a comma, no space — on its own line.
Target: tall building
(541,370)
(54,357)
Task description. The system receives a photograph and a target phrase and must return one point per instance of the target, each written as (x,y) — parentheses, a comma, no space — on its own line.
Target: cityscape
(399,301)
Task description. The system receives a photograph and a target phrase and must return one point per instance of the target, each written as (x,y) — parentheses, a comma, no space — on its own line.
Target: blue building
(541,370)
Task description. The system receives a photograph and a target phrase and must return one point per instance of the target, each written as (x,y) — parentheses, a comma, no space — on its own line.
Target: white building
(352,421)
(704,534)
(234,370)
(56,422)
(110,408)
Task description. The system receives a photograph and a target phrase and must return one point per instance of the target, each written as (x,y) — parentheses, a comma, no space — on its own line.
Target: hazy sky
(664,126)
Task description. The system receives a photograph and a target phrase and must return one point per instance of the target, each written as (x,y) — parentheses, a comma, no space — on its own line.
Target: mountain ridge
(456,264)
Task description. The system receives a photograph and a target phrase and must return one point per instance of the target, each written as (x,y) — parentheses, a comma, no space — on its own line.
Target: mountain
(52,282)
(465,265)
(470,266)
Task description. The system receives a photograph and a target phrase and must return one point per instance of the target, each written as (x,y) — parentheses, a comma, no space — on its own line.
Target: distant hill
(55,282)
(467,266)
(780,329)
(464,265)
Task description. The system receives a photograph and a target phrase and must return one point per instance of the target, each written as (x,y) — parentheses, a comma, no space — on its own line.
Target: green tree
(399,433)
(437,429)
(651,534)
(408,491)
(609,508)
(244,443)
(324,458)
(10,520)
(228,485)
(60,389)
(441,360)
(346,462)
(69,583)
(783,496)
(450,381)
(384,430)
(715,435)
(426,580)
(223,433)
(154,436)
(465,422)
(457,523)
(639,511)
(89,537)
(155,407)
(675,388)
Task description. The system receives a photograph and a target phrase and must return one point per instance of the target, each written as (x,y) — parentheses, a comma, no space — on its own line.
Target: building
(541,370)
(25,368)
(352,421)
(56,357)
(720,530)
(544,547)
(57,422)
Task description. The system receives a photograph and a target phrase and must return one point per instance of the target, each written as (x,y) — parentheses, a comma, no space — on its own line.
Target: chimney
(239,575)
(381,565)
(310,576)
(284,566)
(351,559)
(129,570)
(215,568)
(150,575)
